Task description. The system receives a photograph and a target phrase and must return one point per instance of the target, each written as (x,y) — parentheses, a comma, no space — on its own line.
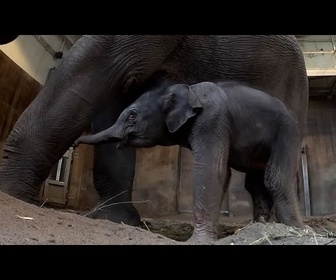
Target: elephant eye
(132,117)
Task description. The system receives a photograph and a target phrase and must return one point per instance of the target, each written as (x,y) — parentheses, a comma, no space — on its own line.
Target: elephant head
(151,119)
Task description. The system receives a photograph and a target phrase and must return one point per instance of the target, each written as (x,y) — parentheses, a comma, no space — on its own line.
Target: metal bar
(305,39)
(190,212)
(333,87)
(178,183)
(70,40)
(318,52)
(45,44)
(53,182)
(67,175)
(59,168)
(333,42)
(305,181)
(320,72)
(65,41)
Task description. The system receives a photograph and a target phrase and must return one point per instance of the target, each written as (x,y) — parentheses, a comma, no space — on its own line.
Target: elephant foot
(203,234)
(204,238)
(264,215)
(260,219)
(295,223)
(122,213)
(308,229)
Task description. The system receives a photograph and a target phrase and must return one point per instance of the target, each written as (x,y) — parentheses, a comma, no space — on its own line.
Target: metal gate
(56,186)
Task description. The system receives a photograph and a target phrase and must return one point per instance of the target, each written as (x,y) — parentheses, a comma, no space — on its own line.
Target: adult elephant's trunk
(95,67)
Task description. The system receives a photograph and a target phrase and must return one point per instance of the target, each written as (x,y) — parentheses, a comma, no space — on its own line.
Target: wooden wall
(17,91)
(156,180)
(321,155)
(82,195)
(163,185)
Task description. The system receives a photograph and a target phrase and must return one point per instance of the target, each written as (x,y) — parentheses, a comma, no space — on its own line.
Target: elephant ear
(180,104)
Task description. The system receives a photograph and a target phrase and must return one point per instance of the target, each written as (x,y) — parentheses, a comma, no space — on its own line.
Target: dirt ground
(23,223)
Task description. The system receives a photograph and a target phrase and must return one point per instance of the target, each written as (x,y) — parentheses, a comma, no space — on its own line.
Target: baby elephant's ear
(180,104)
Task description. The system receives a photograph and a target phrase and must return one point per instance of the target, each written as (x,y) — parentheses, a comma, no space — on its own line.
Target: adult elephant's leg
(53,121)
(261,197)
(113,173)
(281,177)
(96,66)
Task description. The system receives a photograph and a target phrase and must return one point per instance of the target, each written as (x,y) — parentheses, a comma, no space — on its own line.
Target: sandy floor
(23,223)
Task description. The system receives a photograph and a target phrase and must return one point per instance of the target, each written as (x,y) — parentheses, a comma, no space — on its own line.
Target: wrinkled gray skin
(101,75)
(227,126)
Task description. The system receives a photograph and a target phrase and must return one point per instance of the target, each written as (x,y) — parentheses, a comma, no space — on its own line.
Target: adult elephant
(111,71)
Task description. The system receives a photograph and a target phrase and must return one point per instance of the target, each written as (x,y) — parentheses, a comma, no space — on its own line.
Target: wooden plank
(17,91)
(88,196)
(155,180)
(321,155)
(76,177)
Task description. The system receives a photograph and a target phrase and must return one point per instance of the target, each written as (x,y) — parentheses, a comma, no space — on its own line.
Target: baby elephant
(225,125)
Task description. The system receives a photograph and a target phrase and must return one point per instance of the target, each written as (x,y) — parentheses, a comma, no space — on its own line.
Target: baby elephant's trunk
(109,135)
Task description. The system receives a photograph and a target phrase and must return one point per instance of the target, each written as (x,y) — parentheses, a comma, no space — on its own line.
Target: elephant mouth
(131,140)
(124,142)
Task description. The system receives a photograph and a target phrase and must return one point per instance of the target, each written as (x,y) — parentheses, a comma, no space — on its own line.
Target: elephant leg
(281,187)
(281,177)
(210,178)
(113,172)
(261,197)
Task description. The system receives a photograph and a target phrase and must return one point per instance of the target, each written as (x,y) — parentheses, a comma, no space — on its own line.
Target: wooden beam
(333,89)
(321,72)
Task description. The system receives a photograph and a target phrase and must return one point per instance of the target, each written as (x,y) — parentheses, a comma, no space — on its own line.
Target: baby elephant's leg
(210,177)
(261,197)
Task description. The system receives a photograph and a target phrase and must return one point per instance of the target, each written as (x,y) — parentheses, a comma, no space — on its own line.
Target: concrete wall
(32,57)
(319,54)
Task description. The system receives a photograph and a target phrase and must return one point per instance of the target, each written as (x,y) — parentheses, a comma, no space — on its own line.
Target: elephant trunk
(109,135)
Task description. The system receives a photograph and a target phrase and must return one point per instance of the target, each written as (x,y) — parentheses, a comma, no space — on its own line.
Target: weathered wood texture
(17,91)
(321,155)
(82,195)
(155,182)
(176,173)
